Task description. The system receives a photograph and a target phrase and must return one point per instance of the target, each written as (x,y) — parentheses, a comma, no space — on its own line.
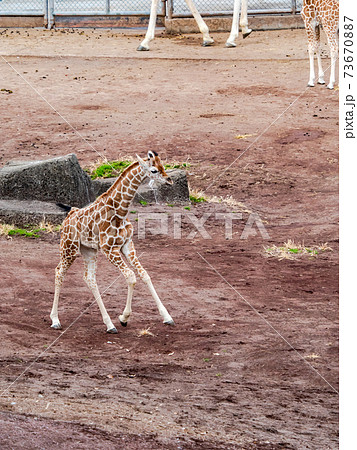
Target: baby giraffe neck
(124,190)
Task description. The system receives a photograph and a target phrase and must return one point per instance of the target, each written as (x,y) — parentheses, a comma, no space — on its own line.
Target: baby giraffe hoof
(112,331)
(230,45)
(170,322)
(123,324)
(56,326)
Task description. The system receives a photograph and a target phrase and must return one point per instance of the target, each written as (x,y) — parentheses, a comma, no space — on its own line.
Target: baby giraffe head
(153,167)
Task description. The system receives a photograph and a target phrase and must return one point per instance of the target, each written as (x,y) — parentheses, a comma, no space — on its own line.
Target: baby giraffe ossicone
(104,225)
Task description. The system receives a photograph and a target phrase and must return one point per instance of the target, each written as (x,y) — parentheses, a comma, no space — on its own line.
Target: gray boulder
(23,212)
(160,193)
(55,180)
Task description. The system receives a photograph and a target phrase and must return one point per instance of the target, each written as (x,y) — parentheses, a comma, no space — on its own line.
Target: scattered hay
(231,202)
(104,168)
(175,164)
(5,229)
(197,196)
(291,250)
(12,230)
(243,136)
(49,227)
(312,356)
(145,332)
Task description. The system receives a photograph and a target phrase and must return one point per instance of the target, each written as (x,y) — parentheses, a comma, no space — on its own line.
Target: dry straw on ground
(5,228)
(228,200)
(292,250)
(145,332)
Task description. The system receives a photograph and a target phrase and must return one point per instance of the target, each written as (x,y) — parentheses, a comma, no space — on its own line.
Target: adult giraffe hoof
(321,82)
(123,324)
(207,43)
(141,48)
(56,326)
(230,45)
(245,35)
(112,331)
(170,322)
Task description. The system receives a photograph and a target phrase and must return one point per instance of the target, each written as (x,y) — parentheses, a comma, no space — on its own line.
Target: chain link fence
(93,7)
(75,7)
(177,8)
(22,7)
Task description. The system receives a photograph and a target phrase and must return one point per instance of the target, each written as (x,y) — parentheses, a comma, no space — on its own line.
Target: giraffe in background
(104,225)
(325,13)
(207,40)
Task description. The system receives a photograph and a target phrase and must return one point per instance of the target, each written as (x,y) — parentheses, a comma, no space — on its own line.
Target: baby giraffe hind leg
(67,259)
(313,35)
(333,44)
(129,251)
(90,264)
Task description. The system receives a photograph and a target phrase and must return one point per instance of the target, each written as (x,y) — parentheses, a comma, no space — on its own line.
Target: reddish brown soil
(253,359)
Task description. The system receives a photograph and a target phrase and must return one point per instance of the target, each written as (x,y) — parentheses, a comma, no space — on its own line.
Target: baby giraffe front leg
(129,251)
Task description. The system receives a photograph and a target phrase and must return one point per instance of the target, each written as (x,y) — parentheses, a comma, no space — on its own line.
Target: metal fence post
(170,9)
(293,6)
(163,8)
(45,12)
(50,11)
(107,6)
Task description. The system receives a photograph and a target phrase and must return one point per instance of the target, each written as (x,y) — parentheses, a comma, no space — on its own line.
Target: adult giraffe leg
(207,40)
(129,251)
(65,263)
(244,19)
(235,25)
(150,33)
(90,264)
(116,259)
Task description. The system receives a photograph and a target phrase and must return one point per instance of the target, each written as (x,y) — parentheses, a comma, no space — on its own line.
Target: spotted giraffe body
(325,13)
(104,225)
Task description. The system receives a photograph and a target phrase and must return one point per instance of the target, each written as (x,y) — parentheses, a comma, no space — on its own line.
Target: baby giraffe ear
(142,163)
(151,157)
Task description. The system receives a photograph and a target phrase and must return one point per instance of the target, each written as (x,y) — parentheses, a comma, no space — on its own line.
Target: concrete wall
(22,21)
(104,21)
(257,23)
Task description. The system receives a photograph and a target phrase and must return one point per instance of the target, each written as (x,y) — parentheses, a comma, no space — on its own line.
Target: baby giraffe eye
(153,170)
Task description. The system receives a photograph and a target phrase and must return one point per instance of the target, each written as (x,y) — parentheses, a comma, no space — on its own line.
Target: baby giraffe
(314,14)
(104,225)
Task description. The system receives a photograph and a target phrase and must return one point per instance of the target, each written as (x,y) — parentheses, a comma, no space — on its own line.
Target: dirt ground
(252,362)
